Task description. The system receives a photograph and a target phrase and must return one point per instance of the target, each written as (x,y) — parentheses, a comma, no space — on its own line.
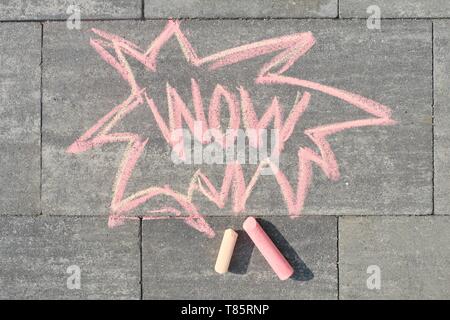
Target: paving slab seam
(337,257)
(231,215)
(141,267)
(432,119)
(221,18)
(41,112)
(226,216)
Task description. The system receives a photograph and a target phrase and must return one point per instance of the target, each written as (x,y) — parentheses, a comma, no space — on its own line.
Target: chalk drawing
(115,50)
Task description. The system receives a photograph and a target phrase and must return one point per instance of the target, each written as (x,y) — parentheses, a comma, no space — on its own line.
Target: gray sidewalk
(387,210)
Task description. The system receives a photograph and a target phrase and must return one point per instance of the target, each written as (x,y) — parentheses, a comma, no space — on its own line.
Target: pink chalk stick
(268,249)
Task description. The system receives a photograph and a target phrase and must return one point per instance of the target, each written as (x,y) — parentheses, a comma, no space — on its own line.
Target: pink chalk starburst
(115,50)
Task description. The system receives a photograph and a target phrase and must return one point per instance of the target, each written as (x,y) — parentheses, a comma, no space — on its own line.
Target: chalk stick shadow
(242,253)
(301,270)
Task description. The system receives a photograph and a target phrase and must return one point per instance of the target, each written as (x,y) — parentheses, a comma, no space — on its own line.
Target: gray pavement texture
(38,254)
(386,218)
(395,9)
(62,9)
(20,56)
(176,270)
(237,9)
(80,90)
(411,252)
(442,116)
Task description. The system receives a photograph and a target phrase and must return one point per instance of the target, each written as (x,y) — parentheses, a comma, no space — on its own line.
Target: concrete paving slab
(41,258)
(68,9)
(178,262)
(409,254)
(383,169)
(441,117)
(20,56)
(241,9)
(395,9)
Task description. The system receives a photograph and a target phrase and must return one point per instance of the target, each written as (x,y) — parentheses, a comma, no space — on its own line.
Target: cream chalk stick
(268,249)
(226,251)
